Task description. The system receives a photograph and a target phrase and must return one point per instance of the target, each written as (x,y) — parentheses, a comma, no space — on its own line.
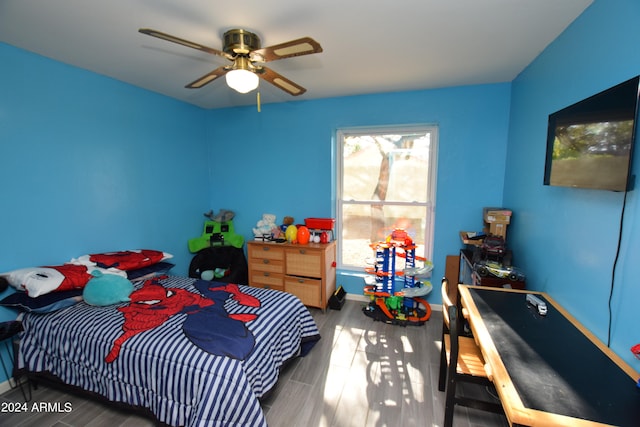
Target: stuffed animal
(106,289)
(265,226)
(286,222)
(224,215)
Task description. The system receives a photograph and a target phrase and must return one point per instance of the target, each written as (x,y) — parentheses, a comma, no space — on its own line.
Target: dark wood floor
(361,373)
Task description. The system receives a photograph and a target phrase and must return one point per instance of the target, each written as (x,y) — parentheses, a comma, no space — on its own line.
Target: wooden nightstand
(307,271)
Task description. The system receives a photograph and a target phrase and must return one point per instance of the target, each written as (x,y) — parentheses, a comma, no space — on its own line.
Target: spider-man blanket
(192,352)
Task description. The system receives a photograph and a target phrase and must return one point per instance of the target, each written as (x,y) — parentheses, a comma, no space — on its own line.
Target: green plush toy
(217,233)
(106,289)
(218,273)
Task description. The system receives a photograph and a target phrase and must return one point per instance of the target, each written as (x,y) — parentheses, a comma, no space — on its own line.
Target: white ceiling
(369,46)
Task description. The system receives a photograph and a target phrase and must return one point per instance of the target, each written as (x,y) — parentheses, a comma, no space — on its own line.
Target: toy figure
(219,231)
(266,227)
(223,216)
(404,306)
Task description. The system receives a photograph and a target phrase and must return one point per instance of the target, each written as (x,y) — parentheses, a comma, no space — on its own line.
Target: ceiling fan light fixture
(242,81)
(243,49)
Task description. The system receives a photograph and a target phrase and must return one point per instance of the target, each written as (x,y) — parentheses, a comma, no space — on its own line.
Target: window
(385,181)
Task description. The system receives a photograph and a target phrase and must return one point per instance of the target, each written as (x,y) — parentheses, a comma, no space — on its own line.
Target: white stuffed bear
(265,226)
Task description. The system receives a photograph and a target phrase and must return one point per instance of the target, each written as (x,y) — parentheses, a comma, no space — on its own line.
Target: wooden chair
(460,361)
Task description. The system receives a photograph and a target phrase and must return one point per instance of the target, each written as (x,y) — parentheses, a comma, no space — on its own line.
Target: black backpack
(229,259)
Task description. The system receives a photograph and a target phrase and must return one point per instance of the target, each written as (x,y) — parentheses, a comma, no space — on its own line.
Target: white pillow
(38,281)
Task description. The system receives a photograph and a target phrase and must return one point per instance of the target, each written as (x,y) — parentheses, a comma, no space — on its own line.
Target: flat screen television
(590,143)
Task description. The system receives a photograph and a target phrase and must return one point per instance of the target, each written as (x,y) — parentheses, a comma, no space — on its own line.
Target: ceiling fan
(243,49)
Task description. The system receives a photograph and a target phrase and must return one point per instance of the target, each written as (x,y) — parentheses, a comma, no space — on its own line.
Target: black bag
(228,258)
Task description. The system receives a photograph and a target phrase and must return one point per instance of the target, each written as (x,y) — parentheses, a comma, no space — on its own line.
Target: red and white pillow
(124,260)
(38,281)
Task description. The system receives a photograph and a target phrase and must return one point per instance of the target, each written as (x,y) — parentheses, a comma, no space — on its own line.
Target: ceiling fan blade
(281,82)
(183,42)
(208,78)
(303,46)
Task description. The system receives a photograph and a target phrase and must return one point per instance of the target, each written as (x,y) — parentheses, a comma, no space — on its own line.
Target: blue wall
(281,160)
(569,236)
(91,164)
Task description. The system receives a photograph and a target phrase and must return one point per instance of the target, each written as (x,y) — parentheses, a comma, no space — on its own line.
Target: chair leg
(442,377)
(449,402)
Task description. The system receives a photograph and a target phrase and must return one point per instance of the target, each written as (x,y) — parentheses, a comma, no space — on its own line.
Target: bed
(191,352)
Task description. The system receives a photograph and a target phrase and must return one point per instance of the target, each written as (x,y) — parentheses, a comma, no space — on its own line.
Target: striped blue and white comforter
(161,368)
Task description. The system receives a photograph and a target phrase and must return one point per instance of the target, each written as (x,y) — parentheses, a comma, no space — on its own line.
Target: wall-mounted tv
(590,143)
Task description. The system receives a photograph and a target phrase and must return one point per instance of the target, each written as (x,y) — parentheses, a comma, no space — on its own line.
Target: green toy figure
(218,231)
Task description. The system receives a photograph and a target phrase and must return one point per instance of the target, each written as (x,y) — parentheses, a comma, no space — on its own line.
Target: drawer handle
(267,274)
(265,248)
(302,251)
(300,280)
(265,261)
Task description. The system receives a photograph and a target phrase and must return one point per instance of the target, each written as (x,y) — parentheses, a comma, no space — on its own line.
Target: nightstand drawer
(304,262)
(268,280)
(267,265)
(308,290)
(266,251)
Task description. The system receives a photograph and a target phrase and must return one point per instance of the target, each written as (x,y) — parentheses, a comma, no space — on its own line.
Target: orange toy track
(404,255)
(383,307)
(371,270)
(427,308)
(401,245)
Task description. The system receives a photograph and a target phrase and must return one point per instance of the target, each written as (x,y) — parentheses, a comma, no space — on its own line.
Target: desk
(549,370)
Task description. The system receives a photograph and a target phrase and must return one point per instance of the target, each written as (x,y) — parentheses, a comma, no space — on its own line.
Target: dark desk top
(553,365)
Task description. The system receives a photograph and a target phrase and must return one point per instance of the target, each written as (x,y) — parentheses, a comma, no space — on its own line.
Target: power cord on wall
(615,264)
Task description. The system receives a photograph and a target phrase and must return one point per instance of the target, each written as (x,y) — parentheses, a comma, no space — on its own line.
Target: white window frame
(431,187)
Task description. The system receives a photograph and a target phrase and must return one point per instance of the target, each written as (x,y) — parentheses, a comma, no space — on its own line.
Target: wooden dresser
(307,271)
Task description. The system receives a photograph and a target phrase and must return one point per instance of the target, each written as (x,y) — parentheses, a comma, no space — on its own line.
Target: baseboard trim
(5,386)
(356,297)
